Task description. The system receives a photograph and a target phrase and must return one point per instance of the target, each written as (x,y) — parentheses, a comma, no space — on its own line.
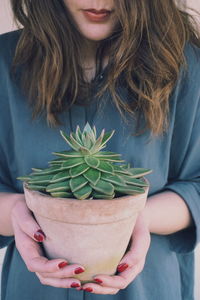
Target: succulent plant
(87,172)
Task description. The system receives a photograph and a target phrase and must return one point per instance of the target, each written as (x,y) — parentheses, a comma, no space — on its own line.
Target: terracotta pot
(93,233)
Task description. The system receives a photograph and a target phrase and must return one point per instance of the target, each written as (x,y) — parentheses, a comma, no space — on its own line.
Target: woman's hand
(27,233)
(130,265)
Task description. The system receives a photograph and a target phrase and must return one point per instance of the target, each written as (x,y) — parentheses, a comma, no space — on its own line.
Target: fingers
(129,267)
(25,244)
(55,272)
(32,254)
(120,281)
(30,250)
(97,289)
(24,218)
(67,271)
(117,281)
(60,283)
(140,243)
(112,284)
(63,278)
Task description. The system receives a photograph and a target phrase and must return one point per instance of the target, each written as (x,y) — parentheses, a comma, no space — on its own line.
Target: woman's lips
(97,15)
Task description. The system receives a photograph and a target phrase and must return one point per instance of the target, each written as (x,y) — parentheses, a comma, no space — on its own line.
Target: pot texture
(93,233)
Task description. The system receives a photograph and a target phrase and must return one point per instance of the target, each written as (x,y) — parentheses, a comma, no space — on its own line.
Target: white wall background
(6,24)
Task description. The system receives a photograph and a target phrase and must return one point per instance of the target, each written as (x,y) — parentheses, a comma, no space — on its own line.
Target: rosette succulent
(87,172)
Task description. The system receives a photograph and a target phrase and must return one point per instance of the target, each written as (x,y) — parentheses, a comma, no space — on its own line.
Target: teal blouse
(174,157)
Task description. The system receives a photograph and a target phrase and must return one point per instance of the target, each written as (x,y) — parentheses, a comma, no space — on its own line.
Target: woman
(132,66)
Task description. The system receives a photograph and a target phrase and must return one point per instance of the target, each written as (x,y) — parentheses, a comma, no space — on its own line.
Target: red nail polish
(39,235)
(88,289)
(75,285)
(122,267)
(98,280)
(79,270)
(62,264)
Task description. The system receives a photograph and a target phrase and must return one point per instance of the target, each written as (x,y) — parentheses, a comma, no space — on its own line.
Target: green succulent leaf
(102,196)
(106,138)
(67,154)
(113,179)
(61,176)
(87,142)
(37,187)
(73,162)
(51,170)
(92,175)
(78,170)
(78,135)
(129,190)
(92,135)
(92,162)
(135,181)
(120,170)
(75,143)
(84,151)
(105,167)
(97,145)
(94,132)
(76,139)
(87,128)
(41,179)
(105,188)
(110,156)
(58,187)
(68,140)
(139,172)
(107,153)
(57,162)
(83,193)
(36,169)
(24,178)
(62,195)
(77,183)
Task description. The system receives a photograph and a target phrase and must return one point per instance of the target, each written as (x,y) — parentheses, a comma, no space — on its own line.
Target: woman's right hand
(55,272)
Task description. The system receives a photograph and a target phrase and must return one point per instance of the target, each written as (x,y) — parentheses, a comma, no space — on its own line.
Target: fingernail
(98,280)
(88,289)
(79,270)
(75,285)
(122,267)
(62,264)
(39,235)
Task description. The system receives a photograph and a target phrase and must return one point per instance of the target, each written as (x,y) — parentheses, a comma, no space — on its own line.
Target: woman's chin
(96,38)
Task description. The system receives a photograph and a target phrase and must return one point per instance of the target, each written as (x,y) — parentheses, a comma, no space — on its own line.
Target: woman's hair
(146,52)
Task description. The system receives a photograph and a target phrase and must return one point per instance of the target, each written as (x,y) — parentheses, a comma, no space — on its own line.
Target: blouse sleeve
(184,171)
(6,187)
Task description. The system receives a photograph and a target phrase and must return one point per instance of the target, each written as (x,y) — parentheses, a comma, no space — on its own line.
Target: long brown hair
(146,50)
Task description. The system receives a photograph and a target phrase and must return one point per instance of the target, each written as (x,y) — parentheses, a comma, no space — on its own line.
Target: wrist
(142,222)
(145,215)
(7,203)
(17,200)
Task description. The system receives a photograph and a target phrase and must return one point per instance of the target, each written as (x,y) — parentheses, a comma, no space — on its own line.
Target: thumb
(139,245)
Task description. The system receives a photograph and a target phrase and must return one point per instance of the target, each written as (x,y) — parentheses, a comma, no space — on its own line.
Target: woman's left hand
(130,265)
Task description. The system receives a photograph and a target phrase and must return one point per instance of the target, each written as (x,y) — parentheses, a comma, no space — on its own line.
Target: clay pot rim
(84,211)
(136,196)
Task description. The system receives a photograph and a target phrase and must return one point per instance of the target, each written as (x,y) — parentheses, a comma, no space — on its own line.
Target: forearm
(167,213)
(7,201)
